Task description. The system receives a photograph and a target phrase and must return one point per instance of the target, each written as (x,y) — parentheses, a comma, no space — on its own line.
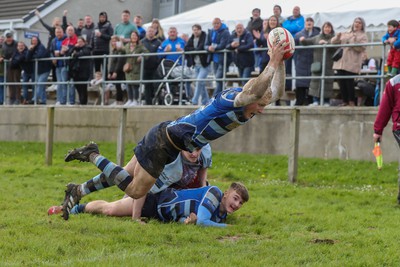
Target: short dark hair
(257,9)
(278,6)
(393,23)
(198,26)
(310,19)
(126,11)
(241,190)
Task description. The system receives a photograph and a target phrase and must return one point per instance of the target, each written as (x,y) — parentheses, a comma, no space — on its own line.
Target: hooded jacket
(102,43)
(219,37)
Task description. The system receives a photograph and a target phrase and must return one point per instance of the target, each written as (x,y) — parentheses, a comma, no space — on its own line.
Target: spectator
(115,69)
(241,41)
(61,69)
(134,47)
(199,62)
(256,22)
(101,40)
(150,63)
(21,58)
(172,44)
(38,51)
(79,69)
(315,85)
(52,29)
(261,38)
(392,38)
(303,59)
(13,71)
(97,84)
(125,28)
(277,11)
(68,43)
(217,40)
(350,63)
(155,24)
(79,26)
(138,21)
(185,37)
(88,30)
(293,24)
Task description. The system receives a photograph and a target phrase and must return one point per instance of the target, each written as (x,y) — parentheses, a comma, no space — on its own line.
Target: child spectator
(97,84)
(392,38)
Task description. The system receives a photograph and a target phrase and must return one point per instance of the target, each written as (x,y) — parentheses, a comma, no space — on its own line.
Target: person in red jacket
(389,107)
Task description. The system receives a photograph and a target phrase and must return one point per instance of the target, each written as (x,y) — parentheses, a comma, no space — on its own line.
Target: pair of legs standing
(200,90)
(347,88)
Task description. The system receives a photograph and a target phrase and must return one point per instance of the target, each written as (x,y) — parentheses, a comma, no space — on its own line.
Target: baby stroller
(167,92)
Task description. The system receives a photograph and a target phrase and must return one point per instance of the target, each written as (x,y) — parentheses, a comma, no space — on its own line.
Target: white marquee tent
(340,13)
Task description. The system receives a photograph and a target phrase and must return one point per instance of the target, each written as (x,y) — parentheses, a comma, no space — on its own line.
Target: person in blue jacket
(293,24)
(205,206)
(217,39)
(173,43)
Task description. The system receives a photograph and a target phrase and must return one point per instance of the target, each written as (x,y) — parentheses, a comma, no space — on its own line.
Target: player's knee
(135,193)
(109,210)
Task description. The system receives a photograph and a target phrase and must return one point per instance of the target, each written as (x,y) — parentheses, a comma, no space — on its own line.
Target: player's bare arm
(271,80)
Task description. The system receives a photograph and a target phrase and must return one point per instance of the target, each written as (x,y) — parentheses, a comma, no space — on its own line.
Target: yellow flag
(378,155)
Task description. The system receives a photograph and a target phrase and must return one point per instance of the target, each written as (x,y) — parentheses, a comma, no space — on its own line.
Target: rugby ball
(278,34)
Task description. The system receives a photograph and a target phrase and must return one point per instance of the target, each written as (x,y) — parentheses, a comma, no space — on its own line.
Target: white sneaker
(128,103)
(326,105)
(134,103)
(58,103)
(314,104)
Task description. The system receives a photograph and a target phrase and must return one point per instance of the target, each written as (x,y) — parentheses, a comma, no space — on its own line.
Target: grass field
(340,213)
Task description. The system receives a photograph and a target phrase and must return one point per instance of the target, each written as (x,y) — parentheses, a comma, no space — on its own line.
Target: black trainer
(82,153)
(72,197)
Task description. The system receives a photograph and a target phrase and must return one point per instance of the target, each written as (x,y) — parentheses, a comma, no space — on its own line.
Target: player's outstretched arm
(269,84)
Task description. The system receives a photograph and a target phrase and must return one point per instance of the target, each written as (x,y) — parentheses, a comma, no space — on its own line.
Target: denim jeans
(200,90)
(218,73)
(245,73)
(41,88)
(25,78)
(1,90)
(62,76)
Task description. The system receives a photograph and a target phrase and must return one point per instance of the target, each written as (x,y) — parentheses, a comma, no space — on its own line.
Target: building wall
(327,133)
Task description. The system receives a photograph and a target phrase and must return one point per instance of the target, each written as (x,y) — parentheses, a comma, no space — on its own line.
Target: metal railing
(182,80)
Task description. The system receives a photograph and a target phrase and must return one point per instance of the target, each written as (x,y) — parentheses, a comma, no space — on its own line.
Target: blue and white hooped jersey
(208,123)
(182,171)
(175,205)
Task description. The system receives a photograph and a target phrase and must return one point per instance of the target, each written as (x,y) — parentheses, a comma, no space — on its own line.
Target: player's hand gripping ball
(278,34)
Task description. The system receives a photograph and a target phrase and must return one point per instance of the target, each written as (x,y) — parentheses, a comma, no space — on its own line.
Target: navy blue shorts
(149,209)
(155,151)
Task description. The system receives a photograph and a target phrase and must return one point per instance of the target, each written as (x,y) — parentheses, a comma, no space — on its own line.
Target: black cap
(9,34)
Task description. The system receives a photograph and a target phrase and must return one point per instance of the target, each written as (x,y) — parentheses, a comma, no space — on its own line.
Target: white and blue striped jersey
(176,205)
(208,123)
(181,171)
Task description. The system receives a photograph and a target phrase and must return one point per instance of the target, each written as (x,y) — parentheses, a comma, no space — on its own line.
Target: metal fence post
(121,137)
(49,135)
(293,145)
